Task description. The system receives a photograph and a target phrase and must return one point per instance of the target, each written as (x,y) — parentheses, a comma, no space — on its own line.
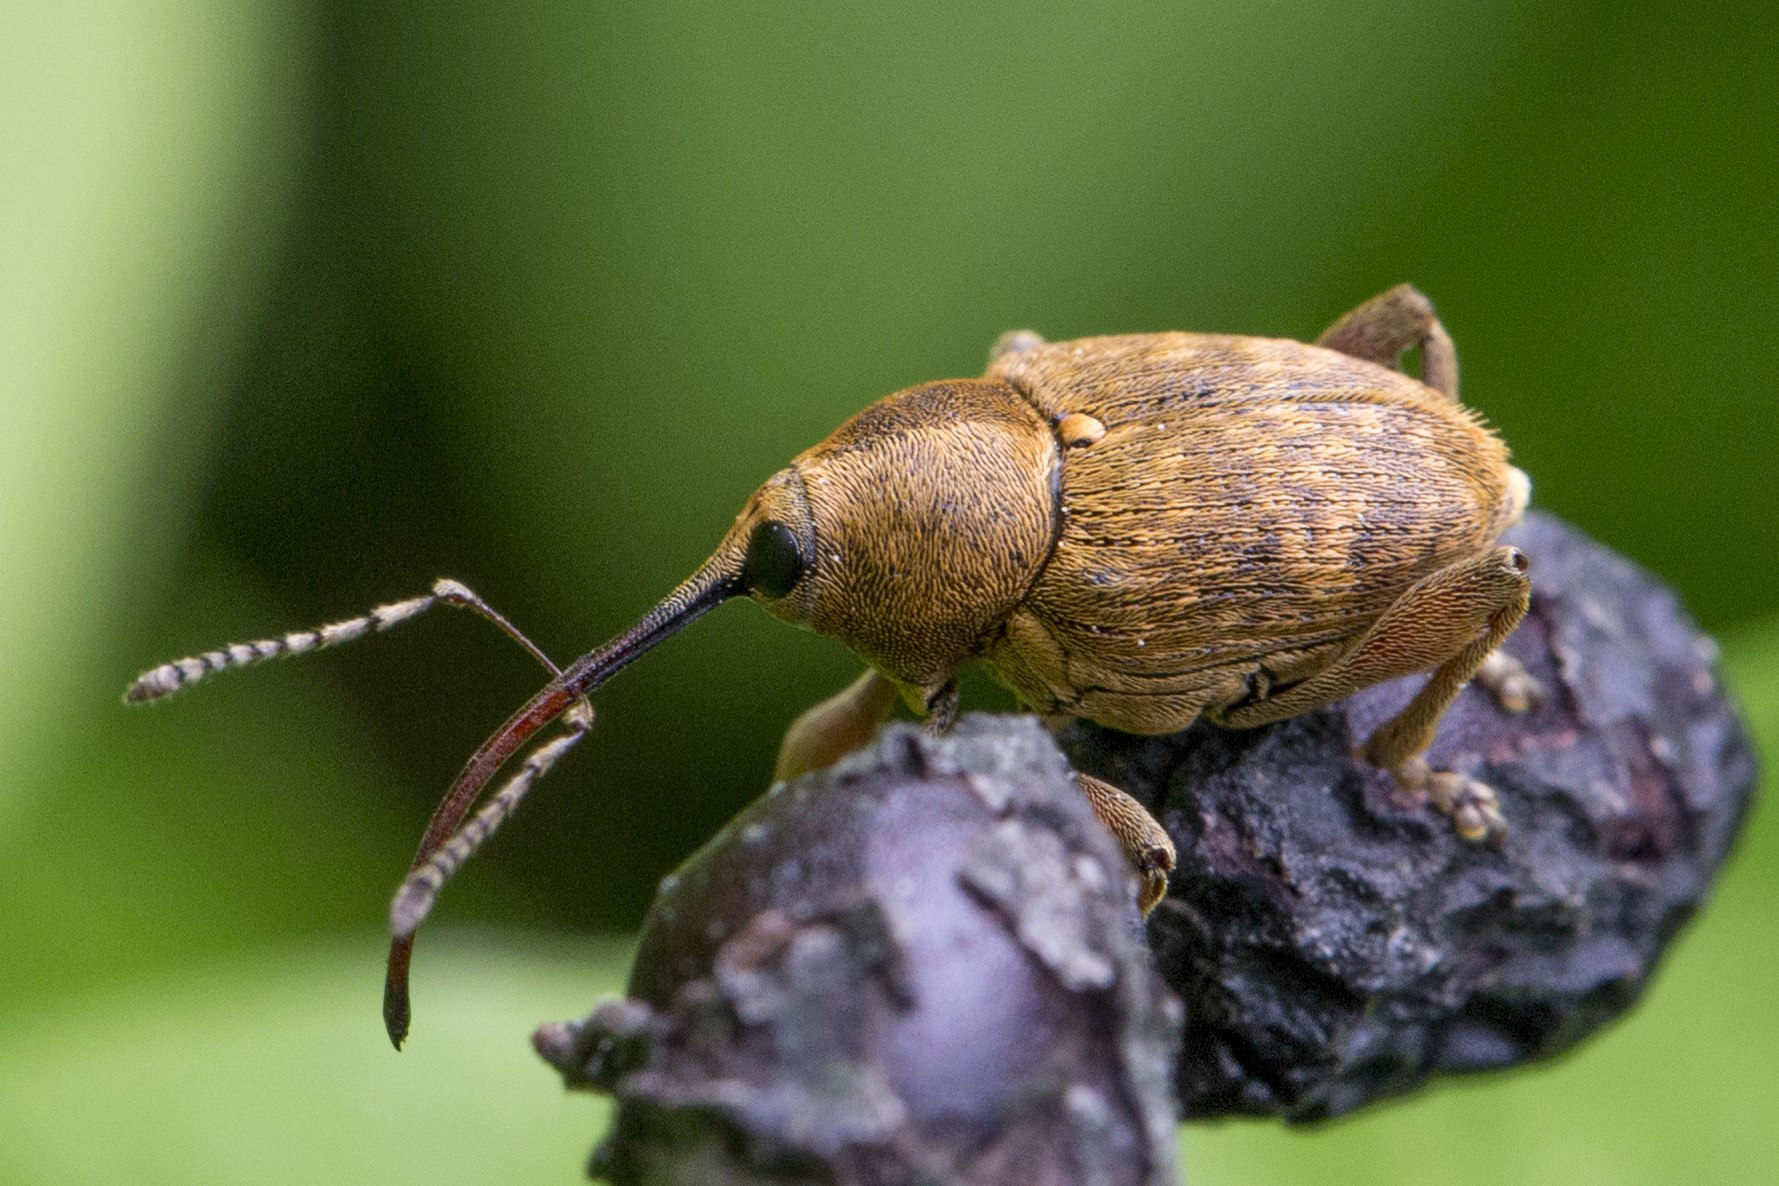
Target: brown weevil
(1138,530)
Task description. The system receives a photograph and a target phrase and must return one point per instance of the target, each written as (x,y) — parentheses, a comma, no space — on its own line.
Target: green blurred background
(302,305)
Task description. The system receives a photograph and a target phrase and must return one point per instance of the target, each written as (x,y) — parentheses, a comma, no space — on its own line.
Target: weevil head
(909,534)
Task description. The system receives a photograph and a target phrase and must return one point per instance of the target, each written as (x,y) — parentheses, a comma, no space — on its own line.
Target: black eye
(773,563)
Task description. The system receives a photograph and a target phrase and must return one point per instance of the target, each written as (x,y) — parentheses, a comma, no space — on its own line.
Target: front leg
(845,721)
(1145,842)
(941,708)
(828,731)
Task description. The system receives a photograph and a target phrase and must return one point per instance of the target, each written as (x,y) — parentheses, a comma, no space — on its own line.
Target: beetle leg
(1144,840)
(1392,322)
(942,708)
(1014,341)
(1450,619)
(1410,732)
(1514,688)
(1472,806)
(828,731)
(1454,619)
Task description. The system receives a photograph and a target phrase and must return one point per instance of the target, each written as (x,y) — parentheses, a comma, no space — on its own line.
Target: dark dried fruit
(922,965)
(1336,945)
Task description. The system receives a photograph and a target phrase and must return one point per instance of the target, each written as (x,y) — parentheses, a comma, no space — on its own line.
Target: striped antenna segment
(162,681)
(414,900)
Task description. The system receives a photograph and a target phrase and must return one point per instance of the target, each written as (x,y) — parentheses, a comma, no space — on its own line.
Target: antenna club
(154,684)
(385,616)
(168,678)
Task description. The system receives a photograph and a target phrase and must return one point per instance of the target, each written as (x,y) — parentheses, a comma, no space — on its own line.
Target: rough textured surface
(1336,945)
(923,965)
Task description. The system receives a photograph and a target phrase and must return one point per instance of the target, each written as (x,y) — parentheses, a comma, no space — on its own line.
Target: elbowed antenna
(157,683)
(719,579)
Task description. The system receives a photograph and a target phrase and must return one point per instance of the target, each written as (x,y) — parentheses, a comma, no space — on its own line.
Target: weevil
(1138,530)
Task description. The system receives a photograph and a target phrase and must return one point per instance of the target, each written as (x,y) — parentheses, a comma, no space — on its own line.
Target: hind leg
(1389,324)
(1514,688)
(1450,621)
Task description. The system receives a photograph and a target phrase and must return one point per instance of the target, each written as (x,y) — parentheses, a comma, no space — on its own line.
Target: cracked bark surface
(927,960)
